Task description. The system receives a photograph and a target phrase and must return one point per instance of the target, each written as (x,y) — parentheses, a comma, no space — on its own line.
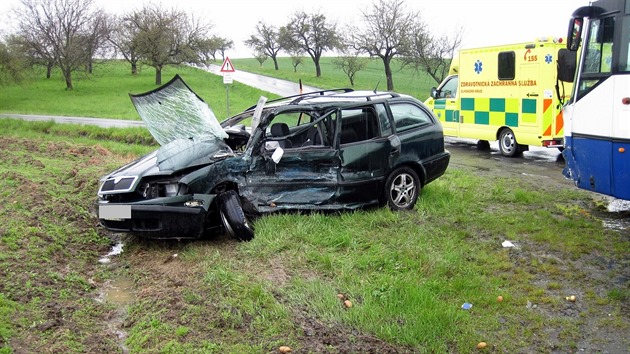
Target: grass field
(105,94)
(406,274)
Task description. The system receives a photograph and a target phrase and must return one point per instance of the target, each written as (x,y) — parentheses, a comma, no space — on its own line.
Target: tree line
(71,35)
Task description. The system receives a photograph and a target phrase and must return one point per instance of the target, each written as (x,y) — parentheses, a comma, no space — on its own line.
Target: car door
(364,152)
(287,172)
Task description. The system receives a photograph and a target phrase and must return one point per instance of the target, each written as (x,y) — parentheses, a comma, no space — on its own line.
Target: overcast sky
(485,22)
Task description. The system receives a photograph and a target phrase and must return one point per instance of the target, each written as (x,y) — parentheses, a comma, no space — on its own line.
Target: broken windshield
(174,111)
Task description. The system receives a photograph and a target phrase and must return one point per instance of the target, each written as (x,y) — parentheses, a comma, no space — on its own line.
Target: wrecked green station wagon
(318,151)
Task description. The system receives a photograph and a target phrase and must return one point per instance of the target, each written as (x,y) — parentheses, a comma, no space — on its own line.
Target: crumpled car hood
(174,111)
(175,156)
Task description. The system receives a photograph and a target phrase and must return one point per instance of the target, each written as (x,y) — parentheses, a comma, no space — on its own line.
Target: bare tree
(266,40)
(60,32)
(310,33)
(224,45)
(13,60)
(433,55)
(97,43)
(350,65)
(385,32)
(21,52)
(260,57)
(296,59)
(124,38)
(168,37)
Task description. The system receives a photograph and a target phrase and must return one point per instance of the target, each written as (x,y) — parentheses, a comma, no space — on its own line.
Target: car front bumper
(181,217)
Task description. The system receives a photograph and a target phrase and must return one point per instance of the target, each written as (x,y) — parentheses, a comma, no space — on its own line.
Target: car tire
(234,221)
(402,189)
(507,143)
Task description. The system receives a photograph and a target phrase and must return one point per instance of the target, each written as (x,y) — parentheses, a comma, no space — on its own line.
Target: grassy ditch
(406,274)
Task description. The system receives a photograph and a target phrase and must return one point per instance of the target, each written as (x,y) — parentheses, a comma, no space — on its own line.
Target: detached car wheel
(234,220)
(402,189)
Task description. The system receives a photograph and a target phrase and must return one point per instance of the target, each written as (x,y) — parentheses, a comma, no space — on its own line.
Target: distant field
(373,76)
(105,94)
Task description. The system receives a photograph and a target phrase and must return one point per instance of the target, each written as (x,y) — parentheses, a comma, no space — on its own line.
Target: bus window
(598,56)
(624,47)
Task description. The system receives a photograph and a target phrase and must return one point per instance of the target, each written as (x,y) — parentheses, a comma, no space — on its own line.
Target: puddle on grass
(618,217)
(119,293)
(116,250)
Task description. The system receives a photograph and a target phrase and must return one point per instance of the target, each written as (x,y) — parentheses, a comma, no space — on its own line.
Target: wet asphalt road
(279,87)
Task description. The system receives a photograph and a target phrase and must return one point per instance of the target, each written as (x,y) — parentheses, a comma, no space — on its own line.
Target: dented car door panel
(301,178)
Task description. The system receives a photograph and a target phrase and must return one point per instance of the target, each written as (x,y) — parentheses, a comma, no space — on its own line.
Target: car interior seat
(281,130)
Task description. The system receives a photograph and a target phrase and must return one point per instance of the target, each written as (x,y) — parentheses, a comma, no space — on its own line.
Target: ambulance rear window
(507,65)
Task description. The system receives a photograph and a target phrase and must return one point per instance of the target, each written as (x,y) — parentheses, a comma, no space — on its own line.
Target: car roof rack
(302,96)
(367,95)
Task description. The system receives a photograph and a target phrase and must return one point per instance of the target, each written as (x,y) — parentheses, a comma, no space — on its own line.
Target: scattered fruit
(500,298)
(570,298)
(285,349)
(347,304)
(341,296)
(482,345)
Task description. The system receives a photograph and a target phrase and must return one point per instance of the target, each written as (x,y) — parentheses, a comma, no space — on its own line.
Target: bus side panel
(588,163)
(621,169)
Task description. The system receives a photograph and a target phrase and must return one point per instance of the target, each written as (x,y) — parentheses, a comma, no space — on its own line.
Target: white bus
(597,127)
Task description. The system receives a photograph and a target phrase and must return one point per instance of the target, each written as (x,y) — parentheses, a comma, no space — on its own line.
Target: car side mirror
(434,92)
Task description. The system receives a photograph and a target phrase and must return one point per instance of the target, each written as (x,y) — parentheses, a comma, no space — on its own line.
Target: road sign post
(226,70)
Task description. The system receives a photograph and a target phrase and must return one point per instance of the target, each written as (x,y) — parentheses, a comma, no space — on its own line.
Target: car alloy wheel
(402,189)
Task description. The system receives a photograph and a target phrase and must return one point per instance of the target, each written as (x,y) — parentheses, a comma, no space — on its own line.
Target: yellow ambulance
(511,93)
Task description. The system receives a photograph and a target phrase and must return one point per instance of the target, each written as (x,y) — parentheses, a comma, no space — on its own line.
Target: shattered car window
(299,129)
(174,111)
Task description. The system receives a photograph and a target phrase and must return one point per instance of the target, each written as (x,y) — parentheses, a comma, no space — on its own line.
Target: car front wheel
(234,220)
(402,189)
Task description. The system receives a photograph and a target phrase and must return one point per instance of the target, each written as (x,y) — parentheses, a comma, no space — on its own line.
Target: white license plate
(114,212)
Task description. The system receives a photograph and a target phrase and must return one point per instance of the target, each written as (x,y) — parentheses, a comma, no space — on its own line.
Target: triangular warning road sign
(227,66)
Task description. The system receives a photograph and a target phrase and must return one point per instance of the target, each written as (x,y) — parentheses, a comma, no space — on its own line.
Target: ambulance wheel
(507,143)
(402,189)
